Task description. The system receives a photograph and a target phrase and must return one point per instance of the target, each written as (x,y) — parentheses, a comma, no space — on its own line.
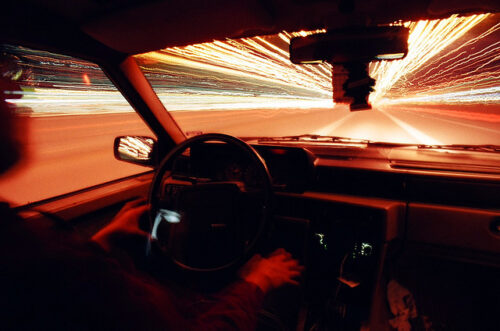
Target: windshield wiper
(474,148)
(315,138)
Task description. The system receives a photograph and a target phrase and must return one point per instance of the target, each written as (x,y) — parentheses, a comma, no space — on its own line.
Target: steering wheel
(207,213)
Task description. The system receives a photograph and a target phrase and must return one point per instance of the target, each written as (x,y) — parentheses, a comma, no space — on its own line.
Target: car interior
(363,216)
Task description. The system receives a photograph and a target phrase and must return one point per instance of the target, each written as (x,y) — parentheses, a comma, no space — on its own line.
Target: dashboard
(344,214)
(351,219)
(291,169)
(341,240)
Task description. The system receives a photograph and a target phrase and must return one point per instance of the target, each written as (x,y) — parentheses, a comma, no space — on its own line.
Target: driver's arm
(123,228)
(237,306)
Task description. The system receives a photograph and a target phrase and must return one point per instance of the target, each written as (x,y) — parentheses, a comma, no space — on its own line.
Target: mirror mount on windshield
(350,51)
(352,84)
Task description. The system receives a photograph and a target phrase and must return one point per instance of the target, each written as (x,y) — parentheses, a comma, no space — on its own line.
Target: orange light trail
(446,64)
(86,79)
(439,69)
(252,73)
(422,77)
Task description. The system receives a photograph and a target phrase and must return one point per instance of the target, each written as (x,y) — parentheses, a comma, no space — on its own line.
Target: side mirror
(140,150)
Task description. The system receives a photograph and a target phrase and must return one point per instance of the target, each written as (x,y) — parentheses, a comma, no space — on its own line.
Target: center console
(342,242)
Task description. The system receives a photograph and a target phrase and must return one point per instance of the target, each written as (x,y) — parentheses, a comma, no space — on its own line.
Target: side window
(68,116)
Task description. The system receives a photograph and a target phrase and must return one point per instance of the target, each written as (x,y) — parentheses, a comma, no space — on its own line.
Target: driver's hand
(278,269)
(124,227)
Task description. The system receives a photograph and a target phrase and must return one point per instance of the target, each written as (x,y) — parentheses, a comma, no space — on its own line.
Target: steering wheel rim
(158,181)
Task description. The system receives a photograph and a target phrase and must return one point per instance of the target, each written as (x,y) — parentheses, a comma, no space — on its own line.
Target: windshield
(446,90)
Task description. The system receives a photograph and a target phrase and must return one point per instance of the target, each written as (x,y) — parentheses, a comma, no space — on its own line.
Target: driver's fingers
(297,267)
(131,205)
(135,203)
(136,212)
(294,274)
(281,252)
(293,271)
(140,209)
(289,263)
(284,260)
(130,218)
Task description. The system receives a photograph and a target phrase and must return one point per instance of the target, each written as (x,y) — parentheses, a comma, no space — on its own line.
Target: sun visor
(163,24)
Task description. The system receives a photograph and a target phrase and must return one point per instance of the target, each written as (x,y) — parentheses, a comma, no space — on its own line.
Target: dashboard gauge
(252,177)
(234,171)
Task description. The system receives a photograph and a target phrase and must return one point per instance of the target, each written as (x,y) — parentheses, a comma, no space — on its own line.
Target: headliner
(135,26)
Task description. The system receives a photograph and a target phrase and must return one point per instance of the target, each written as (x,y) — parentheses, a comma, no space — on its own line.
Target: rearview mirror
(139,150)
(361,44)
(350,51)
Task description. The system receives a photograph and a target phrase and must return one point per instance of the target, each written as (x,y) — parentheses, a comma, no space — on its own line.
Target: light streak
(443,65)
(86,79)
(453,61)
(484,95)
(254,73)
